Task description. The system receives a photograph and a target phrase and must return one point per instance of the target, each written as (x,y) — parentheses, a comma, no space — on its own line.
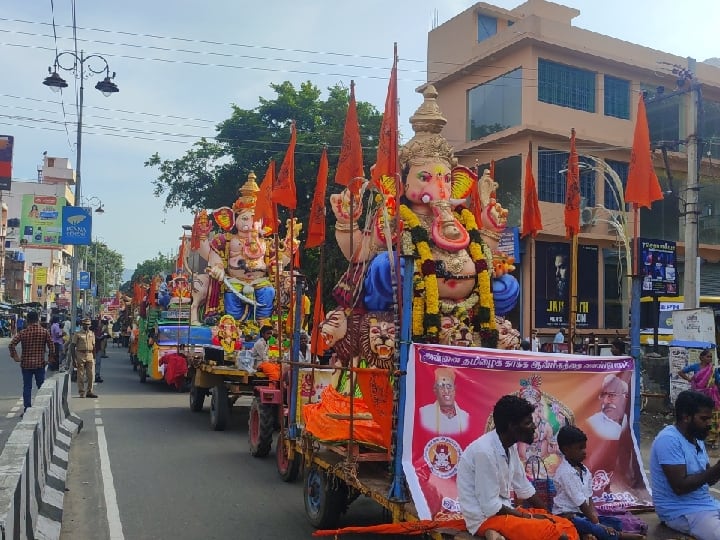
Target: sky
(181,65)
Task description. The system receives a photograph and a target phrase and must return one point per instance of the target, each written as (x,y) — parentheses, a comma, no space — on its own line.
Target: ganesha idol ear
(463,182)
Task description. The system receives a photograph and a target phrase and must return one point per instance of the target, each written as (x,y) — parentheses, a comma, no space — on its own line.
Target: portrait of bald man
(444,416)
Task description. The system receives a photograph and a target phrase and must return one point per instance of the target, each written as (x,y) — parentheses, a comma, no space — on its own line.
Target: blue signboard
(509,243)
(76,227)
(83,280)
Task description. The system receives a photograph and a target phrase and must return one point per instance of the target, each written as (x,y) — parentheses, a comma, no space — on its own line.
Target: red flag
(531,218)
(387,152)
(643,187)
(317,343)
(378,396)
(180,263)
(283,192)
(316,225)
(572,191)
(350,164)
(265,209)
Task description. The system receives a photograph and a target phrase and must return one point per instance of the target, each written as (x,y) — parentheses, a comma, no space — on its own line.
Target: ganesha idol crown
(427,144)
(248,194)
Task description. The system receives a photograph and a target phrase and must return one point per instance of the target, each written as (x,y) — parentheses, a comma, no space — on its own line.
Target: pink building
(507,78)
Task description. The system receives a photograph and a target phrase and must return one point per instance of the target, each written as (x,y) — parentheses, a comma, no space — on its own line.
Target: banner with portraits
(451,392)
(553,266)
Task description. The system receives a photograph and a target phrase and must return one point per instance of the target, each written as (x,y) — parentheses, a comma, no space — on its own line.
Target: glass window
(487,27)
(552,184)
(612,287)
(711,127)
(664,119)
(495,105)
(621,169)
(617,97)
(566,86)
(508,174)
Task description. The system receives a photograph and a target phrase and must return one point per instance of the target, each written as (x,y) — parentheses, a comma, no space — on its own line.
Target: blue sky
(173,91)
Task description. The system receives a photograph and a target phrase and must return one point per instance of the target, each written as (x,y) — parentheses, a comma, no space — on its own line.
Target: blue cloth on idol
(506,291)
(264,296)
(163,296)
(377,290)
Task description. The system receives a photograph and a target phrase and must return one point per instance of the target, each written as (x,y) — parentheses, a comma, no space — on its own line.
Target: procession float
(421,351)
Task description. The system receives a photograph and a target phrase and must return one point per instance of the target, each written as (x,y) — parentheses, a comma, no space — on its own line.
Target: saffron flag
(572,191)
(350,164)
(316,225)
(283,191)
(386,163)
(378,396)
(531,217)
(180,264)
(317,343)
(642,187)
(265,208)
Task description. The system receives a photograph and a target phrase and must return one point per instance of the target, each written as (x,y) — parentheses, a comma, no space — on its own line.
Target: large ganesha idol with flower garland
(454,270)
(234,260)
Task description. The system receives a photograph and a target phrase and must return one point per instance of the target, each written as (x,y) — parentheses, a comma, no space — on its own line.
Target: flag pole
(573,291)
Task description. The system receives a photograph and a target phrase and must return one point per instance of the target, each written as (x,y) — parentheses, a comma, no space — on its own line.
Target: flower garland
(427,306)
(486,310)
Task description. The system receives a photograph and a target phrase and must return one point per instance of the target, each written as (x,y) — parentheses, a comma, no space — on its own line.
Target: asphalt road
(166,475)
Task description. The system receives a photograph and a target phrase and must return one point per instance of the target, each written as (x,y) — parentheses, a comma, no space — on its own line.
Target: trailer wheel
(197,398)
(325,498)
(288,461)
(143,373)
(260,428)
(219,407)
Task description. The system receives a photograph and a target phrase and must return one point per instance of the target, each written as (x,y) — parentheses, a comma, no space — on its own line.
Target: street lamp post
(107,87)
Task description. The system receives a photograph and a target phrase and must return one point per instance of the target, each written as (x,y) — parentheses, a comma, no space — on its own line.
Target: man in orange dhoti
(490,468)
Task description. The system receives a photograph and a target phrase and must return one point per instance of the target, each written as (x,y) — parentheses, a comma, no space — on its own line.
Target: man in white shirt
(261,347)
(444,416)
(535,341)
(490,469)
(558,339)
(610,421)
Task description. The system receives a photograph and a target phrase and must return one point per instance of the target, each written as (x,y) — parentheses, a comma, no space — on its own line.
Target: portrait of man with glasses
(610,421)
(444,416)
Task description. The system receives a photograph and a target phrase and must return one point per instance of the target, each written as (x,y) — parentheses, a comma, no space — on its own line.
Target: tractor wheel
(197,398)
(219,407)
(325,498)
(260,428)
(288,461)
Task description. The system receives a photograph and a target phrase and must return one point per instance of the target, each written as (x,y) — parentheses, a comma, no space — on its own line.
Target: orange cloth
(350,163)
(515,528)
(265,209)
(326,420)
(271,369)
(531,217)
(283,192)
(572,191)
(316,221)
(642,183)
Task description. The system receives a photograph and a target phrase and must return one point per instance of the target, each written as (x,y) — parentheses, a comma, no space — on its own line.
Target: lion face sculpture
(334,327)
(377,339)
(455,332)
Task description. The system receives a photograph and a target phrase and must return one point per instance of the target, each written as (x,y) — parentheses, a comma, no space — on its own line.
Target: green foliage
(146,270)
(105,266)
(209,174)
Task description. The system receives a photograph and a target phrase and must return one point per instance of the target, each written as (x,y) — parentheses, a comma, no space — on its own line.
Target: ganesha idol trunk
(447,232)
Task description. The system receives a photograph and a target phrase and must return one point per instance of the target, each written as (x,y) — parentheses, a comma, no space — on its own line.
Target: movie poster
(564,389)
(659,270)
(553,267)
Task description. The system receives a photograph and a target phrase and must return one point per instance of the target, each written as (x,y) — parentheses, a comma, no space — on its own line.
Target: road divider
(33,464)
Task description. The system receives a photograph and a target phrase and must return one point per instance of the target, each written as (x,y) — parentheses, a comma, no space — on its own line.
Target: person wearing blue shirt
(680,470)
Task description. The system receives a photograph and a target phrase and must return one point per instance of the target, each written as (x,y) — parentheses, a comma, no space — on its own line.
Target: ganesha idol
(452,263)
(231,274)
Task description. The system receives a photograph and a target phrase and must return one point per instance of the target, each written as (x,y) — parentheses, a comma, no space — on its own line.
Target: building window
(664,119)
(552,184)
(495,105)
(621,169)
(617,97)
(487,27)
(566,86)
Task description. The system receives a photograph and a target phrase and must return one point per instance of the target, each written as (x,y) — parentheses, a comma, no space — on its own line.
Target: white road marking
(113,512)
(98,422)
(15,409)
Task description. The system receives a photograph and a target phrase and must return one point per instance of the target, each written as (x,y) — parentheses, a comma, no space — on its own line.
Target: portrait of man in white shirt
(444,416)
(610,421)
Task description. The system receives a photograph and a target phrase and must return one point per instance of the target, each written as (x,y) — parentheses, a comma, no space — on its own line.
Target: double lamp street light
(56,83)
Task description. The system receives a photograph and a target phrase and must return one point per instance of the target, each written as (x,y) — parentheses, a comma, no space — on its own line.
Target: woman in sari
(705,379)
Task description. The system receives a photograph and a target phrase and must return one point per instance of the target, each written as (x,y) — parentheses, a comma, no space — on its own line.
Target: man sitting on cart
(490,468)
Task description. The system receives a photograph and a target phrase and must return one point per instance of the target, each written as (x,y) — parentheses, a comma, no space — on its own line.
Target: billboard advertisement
(564,390)
(6,154)
(76,226)
(40,220)
(659,271)
(83,280)
(552,285)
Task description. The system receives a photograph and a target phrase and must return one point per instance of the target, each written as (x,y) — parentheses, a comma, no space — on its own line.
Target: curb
(34,462)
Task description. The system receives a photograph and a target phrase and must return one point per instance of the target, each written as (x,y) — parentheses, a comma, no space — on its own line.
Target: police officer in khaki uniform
(82,346)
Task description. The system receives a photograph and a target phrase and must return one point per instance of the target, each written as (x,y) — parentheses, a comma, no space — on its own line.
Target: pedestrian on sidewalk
(56,333)
(34,340)
(82,347)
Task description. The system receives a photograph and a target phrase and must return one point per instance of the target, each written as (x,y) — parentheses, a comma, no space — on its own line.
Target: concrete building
(35,272)
(507,78)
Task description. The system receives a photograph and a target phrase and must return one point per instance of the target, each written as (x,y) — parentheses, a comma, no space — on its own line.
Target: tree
(209,174)
(146,270)
(105,266)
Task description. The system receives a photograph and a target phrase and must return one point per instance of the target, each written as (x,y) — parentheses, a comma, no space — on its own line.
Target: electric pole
(690,276)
